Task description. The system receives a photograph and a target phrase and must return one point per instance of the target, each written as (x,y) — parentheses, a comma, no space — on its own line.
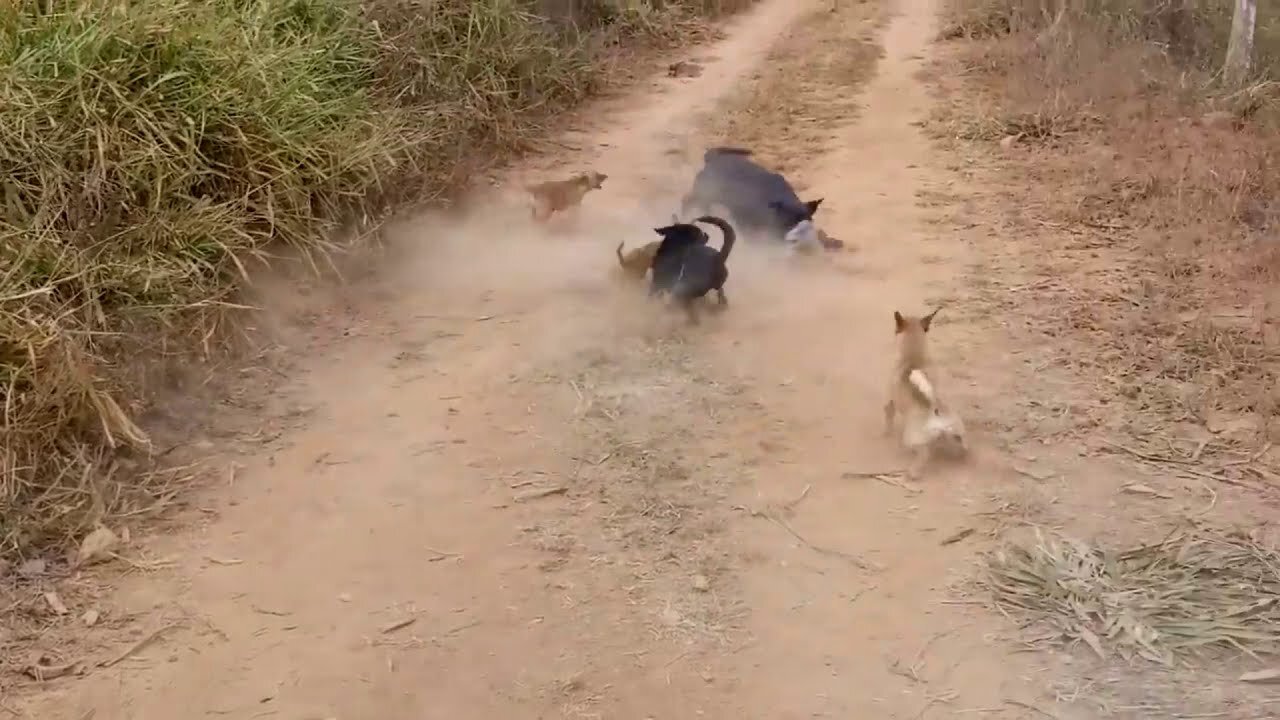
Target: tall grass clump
(153,151)
(150,150)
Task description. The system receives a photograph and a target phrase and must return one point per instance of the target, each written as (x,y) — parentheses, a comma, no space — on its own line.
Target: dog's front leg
(919,459)
(721,298)
(890,410)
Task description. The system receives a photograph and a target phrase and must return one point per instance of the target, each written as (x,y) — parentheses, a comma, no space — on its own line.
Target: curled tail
(922,389)
(621,261)
(729,235)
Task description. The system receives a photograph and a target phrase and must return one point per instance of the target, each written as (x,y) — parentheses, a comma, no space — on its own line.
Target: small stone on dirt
(1218,119)
(55,603)
(1236,426)
(1008,141)
(33,568)
(90,618)
(96,546)
(701,583)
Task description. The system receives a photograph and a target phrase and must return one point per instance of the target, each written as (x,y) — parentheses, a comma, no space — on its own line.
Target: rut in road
(505,486)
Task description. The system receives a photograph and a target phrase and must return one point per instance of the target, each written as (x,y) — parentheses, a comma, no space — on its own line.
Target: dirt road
(500,485)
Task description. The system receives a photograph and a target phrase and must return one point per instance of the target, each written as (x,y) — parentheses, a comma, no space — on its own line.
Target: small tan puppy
(636,262)
(925,424)
(556,196)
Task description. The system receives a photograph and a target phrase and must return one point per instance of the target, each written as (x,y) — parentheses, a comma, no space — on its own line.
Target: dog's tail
(712,152)
(922,389)
(729,235)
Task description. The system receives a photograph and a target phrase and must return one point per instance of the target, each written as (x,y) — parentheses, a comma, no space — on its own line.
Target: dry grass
(157,151)
(1147,217)
(1125,206)
(1197,592)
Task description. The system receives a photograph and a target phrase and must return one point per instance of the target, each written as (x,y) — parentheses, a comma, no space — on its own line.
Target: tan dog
(556,196)
(925,424)
(636,262)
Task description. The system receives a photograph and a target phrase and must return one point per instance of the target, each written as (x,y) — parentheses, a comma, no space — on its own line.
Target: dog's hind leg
(890,409)
(691,309)
(721,299)
(919,460)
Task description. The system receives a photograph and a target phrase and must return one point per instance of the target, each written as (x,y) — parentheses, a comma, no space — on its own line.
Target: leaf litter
(1198,591)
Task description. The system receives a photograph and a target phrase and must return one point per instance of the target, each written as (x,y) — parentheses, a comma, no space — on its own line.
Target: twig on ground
(1252,458)
(1033,708)
(957,536)
(799,499)
(141,643)
(850,557)
(398,624)
(540,493)
(441,554)
(890,477)
(1146,456)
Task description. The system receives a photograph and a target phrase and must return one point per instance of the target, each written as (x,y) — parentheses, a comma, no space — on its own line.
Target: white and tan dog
(915,410)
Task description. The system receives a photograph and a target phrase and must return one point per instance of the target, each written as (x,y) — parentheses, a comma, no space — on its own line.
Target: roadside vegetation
(1137,186)
(155,151)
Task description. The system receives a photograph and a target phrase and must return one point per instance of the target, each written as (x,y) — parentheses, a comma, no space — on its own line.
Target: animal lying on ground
(926,424)
(636,262)
(687,268)
(759,200)
(556,196)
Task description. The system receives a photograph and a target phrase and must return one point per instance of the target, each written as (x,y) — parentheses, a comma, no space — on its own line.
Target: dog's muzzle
(804,236)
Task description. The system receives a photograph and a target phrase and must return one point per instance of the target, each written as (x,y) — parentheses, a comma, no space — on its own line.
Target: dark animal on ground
(687,268)
(759,200)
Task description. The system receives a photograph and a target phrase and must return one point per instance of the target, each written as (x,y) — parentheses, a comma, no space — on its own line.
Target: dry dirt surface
(500,484)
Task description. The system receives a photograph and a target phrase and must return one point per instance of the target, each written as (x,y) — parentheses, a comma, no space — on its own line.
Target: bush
(152,149)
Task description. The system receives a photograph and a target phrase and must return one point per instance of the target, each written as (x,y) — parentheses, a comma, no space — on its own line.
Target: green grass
(154,150)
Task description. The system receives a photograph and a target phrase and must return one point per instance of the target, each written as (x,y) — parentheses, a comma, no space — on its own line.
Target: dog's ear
(812,206)
(899,322)
(927,319)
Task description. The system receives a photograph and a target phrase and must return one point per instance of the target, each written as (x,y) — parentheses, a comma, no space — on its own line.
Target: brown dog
(636,262)
(556,196)
(927,424)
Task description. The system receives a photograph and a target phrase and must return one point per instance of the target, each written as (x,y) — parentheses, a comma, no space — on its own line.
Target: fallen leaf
(1140,489)
(96,546)
(55,603)
(1269,675)
(1092,641)
(33,568)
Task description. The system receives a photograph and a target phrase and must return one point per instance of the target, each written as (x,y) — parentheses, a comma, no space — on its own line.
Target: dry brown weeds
(1150,197)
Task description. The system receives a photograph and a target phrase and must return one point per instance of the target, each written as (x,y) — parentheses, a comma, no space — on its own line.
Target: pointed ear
(927,319)
(812,206)
(899,322)
(663,230)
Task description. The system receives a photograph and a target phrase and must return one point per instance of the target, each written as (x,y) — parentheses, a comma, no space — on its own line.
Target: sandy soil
(500,484)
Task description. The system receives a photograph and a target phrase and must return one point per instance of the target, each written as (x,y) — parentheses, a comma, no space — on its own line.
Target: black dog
(687,267)
(759,200)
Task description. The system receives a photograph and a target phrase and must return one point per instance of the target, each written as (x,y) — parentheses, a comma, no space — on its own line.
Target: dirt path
(513,490)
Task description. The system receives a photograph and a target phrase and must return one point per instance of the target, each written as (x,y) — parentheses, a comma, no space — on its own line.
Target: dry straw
(1199,590)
